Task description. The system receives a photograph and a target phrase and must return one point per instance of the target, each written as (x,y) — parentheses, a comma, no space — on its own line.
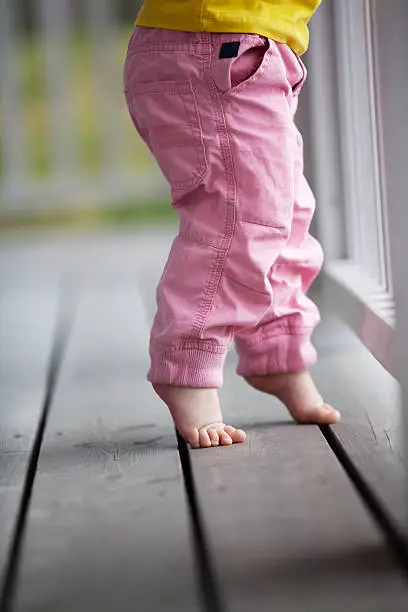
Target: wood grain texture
(108,518)
(286,529)
(27,319)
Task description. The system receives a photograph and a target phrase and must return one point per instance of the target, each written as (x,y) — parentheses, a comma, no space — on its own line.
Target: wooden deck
(100,509)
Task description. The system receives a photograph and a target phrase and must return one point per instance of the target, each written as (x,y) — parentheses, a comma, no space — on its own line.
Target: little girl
(212,87)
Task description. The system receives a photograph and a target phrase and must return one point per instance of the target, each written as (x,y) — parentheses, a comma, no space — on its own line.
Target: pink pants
(218,118)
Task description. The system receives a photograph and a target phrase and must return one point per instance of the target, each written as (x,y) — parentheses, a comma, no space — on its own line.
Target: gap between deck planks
(108,526)
(27,321)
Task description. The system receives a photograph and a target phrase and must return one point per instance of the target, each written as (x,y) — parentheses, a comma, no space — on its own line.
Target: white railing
(359,136)
(116,175)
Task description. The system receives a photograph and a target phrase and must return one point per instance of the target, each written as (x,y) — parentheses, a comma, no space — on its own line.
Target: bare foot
(197,416)
(299,394)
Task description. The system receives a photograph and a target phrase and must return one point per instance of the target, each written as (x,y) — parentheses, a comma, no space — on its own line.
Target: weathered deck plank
(370,429)
(286,529)
(108,518)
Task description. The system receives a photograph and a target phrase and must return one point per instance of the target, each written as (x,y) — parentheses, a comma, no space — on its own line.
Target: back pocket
(166,115)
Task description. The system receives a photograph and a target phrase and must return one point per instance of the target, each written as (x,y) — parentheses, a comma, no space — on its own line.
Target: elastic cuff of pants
(186,367)
(287,353)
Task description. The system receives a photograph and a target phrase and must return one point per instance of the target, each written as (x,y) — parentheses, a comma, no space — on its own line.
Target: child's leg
(275,356)
(179,115)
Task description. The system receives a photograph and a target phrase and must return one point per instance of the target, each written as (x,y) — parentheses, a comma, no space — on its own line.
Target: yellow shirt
(282,20)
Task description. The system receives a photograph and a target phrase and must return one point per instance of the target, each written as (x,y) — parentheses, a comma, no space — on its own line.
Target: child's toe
(225,438)
(213,435)
(323,414)
(193,438)
(237,435)
(205,440)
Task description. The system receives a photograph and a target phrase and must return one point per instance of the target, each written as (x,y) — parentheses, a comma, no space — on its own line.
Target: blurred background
(69,152)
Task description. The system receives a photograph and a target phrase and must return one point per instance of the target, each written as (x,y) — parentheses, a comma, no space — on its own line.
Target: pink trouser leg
(281,342)
(219,121)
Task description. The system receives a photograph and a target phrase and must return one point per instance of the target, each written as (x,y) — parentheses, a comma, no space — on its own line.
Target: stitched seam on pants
(193,344)
(253,221)
(158,48)
(234,280)
(278,333)
(231,213)
(191,237)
